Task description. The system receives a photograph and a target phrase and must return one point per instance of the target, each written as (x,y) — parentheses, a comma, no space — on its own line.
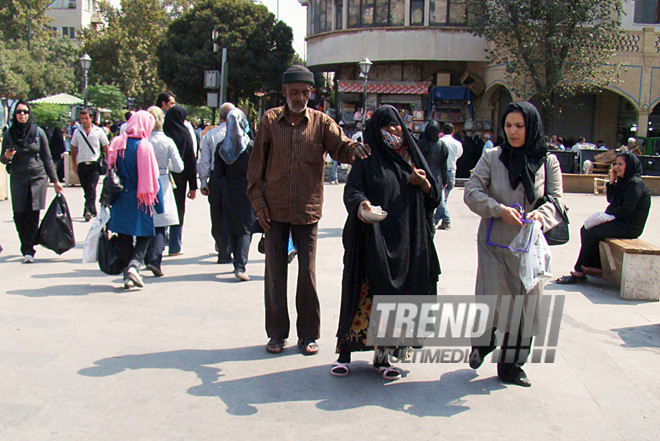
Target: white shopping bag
(597,218)
(91,242)
(535,261)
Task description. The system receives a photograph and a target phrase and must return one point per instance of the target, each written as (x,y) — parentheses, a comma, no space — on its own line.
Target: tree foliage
(50,115)
(14,19)
(551,48)
(124,51)
(108,96)
(259,49)
(48,68)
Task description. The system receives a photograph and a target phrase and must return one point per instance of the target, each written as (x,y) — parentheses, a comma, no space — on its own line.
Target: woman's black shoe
(476,360)
(520,380)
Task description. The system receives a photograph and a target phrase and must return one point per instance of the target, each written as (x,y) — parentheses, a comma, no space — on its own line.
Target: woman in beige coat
(517,172)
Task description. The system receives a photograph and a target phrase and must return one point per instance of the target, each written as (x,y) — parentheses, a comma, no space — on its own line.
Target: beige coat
(487,192)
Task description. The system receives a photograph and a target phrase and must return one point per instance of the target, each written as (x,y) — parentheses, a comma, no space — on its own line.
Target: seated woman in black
(630,202)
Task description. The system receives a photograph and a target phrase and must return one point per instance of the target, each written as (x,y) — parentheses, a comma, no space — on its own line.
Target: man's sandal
(308,347)
(339,369)
(388,372)
(275,345)
(571,280)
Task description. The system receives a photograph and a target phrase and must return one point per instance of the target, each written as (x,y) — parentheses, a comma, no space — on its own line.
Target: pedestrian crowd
(271,182)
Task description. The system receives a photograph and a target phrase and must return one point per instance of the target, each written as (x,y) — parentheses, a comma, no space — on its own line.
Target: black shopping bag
(56,229)
(108,253)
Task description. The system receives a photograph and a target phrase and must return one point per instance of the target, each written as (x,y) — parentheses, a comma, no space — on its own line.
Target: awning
(60,98)
(451,93)
(394,87)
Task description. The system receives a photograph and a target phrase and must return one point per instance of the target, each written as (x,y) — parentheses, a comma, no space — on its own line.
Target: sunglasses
(22,112)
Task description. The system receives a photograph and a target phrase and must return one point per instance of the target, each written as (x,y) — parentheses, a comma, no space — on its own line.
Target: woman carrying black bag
(26,153)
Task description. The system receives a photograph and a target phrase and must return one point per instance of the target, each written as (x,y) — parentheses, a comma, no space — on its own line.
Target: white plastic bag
(535,261)
(597,218)
(92,239)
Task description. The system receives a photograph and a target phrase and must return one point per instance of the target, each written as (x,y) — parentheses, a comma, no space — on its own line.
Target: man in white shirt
(210,185)
(87,145)
(576,148)
(455,150)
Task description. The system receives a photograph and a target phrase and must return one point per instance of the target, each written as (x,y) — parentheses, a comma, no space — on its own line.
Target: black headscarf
(633,166)
(56,144)
(383,116)
(174,128)
(429,138)
(23,134)
(524,162)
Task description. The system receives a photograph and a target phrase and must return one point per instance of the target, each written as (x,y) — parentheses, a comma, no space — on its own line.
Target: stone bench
(633,266)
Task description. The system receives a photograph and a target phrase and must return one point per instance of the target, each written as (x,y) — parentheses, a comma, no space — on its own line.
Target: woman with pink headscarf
(131,214)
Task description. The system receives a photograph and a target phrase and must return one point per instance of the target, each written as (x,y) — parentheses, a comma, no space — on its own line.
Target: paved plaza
(184,357)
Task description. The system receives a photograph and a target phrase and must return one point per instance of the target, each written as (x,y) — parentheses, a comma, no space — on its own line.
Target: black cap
(298,74)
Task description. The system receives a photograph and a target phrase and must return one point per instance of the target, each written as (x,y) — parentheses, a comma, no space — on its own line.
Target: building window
(416,12)
(363,13)
(68,32)
(322,13)
(63,4)
(447,12)
(339,14)
(646,11)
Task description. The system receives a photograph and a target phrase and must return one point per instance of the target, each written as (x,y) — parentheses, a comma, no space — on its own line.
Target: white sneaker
(28,258)
(242,276)
(135,277)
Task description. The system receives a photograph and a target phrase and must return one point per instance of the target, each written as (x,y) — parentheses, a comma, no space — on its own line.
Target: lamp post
(365,67)
(85,62)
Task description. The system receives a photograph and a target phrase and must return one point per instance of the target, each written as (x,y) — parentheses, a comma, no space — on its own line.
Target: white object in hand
(377,214)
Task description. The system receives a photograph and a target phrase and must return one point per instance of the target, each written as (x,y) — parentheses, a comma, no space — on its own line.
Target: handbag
(108,253)
(112,187)
(56,229)
(558,235)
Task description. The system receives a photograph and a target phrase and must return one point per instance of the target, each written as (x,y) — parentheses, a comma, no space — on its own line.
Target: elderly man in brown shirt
(285,187)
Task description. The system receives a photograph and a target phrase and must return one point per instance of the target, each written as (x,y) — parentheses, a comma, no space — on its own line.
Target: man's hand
(192,194)
(263,216)
(362,151)
(204,191)
(511,216)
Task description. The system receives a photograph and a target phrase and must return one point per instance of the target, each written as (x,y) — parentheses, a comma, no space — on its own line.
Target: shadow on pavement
(67,290)
(363,387)
(647,336)
(596,290)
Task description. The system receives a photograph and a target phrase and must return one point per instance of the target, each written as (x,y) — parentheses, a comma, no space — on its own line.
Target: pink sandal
(339,369)
(388,372)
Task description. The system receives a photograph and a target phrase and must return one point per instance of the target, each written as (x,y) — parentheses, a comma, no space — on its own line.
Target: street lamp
(85,62)
(365,67)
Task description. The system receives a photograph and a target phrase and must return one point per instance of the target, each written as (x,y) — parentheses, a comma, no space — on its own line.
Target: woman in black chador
(630,202)
(397,255)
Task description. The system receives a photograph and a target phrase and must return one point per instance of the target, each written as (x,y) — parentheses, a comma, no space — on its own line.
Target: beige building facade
(70,17)
(425,42)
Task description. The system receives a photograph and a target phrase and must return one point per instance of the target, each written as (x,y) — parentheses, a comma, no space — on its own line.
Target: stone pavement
(184,358)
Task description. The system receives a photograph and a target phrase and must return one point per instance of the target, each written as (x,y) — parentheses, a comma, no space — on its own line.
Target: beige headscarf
(157,112)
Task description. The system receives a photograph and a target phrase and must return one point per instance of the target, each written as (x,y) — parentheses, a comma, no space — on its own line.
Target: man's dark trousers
(88,172)
(308,323)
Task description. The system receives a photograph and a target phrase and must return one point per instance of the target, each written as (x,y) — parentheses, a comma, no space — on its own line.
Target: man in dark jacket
(436,154)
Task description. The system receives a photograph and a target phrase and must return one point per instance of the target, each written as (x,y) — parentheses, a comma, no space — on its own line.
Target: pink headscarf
(139,126)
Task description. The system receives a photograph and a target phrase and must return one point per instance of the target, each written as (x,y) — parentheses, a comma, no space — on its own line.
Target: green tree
(124,52)
(48,68)
(108,96)
(259,49)
(15,19)
(551,48)
(50,115)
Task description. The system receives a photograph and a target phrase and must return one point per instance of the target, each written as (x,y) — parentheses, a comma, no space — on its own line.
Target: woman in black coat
(630,202)
(397,255)
(174,127)
(26,153)
(436,154)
